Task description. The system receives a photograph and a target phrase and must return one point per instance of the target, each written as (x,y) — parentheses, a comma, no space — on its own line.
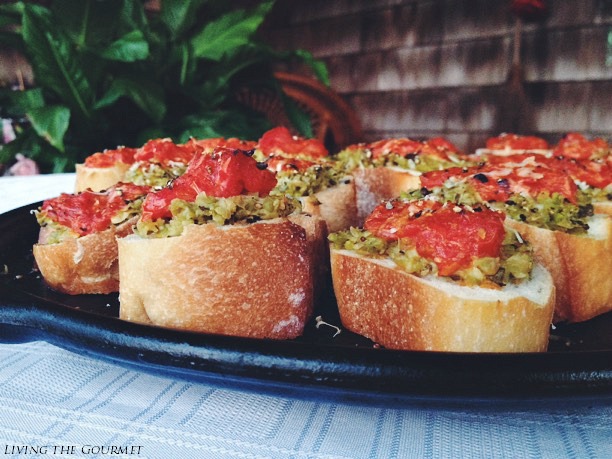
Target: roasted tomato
(489,187)
(387,219)
(496,182)
(208,145)
(165,151)
(516,142)
(441,147)
(280,141)
(108,158)
(224,173)
(400,146)
(89,212)
(451,236)
(577,146)
(597,174)
(438,147)
(435,179)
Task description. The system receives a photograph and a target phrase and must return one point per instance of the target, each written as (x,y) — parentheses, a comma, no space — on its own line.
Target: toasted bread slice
(99,178)
(376,184)
(602,207)
(402,311)
(252,280)
(580,266)
(82,265)
(336,205)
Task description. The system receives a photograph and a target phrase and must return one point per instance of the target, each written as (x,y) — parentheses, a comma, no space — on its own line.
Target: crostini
(305,171)
(511,144)
(385,168)
(76,252)
(432,275)
(587,162)
(104,169)
(214,252)
(155,163)
(546,207)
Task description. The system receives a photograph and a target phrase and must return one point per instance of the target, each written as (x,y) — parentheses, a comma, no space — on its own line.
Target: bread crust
(402,311)
(99,178)
(580,267)
(318,247)
(602,207)
(376,184)
(252,280)
(336,205)
(80,265)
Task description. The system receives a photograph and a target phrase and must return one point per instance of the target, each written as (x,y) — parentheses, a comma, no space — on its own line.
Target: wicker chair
(333,121)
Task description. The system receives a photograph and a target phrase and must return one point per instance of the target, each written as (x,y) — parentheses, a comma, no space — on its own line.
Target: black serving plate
(578,364)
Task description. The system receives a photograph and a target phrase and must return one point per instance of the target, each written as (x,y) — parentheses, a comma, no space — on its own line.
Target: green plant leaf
(131,47)
(223,123)
(298,117)
(145,93)
(318,66)
(179,15)
(230,31)
(21,144)
(51,123)
(12,10)
(123,76)
(88,23)
(55,63)
(24,101)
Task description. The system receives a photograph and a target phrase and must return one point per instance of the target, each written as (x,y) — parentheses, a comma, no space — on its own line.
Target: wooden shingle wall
(424,68)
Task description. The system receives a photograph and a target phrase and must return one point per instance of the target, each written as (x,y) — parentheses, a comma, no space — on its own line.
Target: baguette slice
(581,266)
(602,207)
(402,311)
(376,184)
(336,205)
(253,280)
(82,265)
(99,178)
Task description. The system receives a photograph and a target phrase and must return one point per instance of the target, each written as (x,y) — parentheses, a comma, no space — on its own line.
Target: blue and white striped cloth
(52,398)
(57,403)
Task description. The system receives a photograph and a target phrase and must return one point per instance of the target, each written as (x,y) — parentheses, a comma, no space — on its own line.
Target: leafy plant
(109,73)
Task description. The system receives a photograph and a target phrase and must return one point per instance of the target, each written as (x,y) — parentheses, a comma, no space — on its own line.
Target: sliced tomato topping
(208,145)
(496,182)
(449,235)
(516,159)
(438,147)
(516,142)
(435,179)
(577,146)
(127,191)
(387,219)
(90,212)
(400,146)
(442,143)
(491,188)
(597,174)
(280,140)
(224,173)
(108,158)
(165,151)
